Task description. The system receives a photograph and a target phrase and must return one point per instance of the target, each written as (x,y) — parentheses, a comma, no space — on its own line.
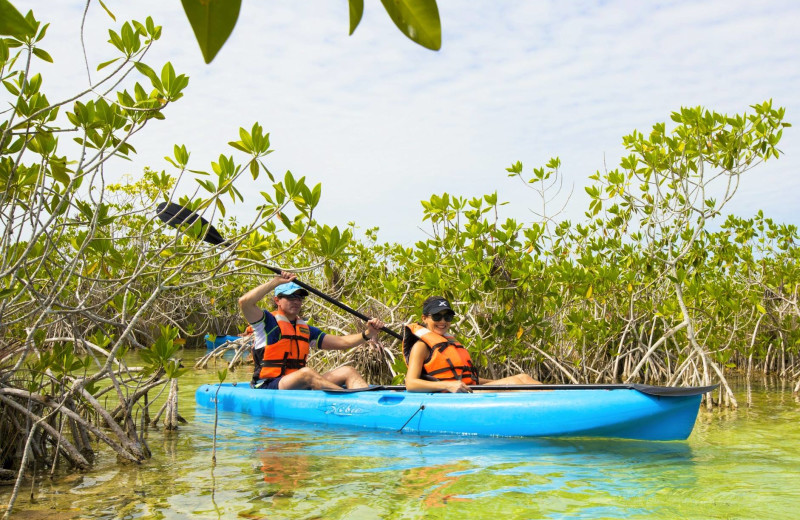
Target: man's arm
(249,301)
(331,342)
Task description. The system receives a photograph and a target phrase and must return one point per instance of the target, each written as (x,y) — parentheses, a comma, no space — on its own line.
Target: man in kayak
(283,340)
(436,360)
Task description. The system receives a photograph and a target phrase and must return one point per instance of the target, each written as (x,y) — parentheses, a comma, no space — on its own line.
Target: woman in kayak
(436,360)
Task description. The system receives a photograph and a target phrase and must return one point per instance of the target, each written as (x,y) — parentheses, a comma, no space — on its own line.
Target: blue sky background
(383,123)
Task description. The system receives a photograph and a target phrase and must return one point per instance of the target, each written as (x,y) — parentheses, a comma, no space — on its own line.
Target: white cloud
(382,122)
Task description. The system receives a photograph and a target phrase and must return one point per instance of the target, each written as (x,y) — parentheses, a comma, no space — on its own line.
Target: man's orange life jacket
(447,360)
(289,353)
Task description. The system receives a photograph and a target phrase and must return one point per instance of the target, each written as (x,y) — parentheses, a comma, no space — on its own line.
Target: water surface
(736,464)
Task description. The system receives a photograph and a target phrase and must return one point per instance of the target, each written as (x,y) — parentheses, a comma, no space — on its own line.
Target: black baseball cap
(435,305)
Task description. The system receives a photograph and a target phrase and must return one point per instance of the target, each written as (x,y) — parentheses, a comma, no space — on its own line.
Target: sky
(383,123)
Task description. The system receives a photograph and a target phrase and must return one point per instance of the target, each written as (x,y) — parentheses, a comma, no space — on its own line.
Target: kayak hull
(619,413)
(219,341)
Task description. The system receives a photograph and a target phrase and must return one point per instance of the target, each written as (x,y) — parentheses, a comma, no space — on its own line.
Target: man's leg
(347,376)
(305,379)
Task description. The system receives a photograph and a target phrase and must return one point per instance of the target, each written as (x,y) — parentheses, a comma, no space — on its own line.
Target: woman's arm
(414,381)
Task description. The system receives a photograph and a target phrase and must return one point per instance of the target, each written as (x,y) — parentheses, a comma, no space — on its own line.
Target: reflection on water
(741,464)
(306,471)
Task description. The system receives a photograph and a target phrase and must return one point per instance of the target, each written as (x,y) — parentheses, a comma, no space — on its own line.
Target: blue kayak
(621,411)
(219,341)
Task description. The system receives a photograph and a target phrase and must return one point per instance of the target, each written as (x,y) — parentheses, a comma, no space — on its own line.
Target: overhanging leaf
(417,19)
(356,12)
(108,12)
(212,22)
(12,23)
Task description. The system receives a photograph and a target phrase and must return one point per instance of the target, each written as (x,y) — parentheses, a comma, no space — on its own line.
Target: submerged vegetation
(644,288)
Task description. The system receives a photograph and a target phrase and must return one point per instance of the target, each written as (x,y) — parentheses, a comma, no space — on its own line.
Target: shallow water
(736,464)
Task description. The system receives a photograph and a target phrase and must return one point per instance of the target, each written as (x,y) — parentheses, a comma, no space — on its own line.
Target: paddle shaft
(335,302)
(662,391)
(175,215)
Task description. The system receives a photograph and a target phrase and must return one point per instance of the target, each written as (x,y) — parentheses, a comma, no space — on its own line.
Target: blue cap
(290,288)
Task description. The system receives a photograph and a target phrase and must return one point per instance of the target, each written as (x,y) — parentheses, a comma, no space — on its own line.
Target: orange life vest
(289,353)
(447,360)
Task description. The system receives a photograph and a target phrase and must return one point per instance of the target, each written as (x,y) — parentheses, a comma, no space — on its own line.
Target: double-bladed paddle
(175,215)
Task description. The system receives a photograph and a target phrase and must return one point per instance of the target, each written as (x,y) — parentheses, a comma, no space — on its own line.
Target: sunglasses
(294,297)
(444,315)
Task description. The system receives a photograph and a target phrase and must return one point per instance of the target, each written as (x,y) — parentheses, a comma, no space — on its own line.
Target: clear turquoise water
(736,464)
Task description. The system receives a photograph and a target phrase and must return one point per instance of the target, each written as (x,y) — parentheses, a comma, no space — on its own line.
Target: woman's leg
(519,379)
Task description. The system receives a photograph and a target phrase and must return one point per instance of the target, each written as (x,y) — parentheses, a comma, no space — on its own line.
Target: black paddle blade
(174,215)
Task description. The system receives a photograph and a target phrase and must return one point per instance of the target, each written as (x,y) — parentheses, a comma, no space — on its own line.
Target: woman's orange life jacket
(289,353)
(447,360)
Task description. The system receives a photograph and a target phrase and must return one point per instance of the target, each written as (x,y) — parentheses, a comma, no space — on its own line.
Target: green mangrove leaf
(106,9)
(417,19)
(356,12)
(42,54)
(106,64)
(12,23)
(212,22)
(9,291)
(150,73)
